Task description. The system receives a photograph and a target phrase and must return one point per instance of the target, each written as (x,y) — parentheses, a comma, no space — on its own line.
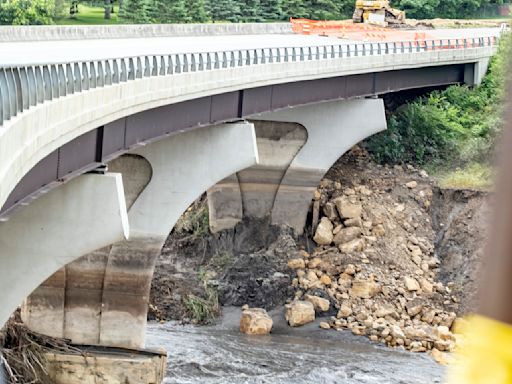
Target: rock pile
(375,264)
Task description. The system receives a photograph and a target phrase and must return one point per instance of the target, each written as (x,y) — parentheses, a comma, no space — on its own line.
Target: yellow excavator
(377,12)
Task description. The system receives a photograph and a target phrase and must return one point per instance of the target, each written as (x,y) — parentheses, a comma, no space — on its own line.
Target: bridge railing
(23,87)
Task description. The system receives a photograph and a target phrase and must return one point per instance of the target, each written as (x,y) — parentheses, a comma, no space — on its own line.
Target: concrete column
(183,167)
(333,128)
(83,215)
(251,192)
(282,185)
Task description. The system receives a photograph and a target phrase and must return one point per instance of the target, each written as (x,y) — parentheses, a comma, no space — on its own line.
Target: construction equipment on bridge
(377,12)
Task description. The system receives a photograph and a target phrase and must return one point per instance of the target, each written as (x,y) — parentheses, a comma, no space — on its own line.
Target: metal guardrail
(27,86)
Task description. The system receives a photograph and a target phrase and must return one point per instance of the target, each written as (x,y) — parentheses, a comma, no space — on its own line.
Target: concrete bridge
(105,143)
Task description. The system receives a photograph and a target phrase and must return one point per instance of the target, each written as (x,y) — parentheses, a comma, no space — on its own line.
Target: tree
(197,11)
(271,9)
(135,11)
(324,10)
(109,6)
(251,11)
(27,12)
(169,11)
(225,10)
(294,8)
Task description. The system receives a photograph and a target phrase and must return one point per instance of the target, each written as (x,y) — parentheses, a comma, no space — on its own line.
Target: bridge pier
(290,169)
(107,292)
(85,214)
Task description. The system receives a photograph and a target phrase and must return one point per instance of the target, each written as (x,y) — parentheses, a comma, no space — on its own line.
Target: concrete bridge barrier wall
(57,32)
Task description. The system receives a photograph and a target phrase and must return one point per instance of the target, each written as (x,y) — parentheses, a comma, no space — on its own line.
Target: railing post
(177,64)
(161,71)
(101,74)
(224,60)
(147,67)
(92,75)
(170,65)
(108,73)
(62,81)
(185,62)
(32,88)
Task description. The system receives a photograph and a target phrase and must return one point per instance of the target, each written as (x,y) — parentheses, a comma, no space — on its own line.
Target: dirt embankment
(408,228)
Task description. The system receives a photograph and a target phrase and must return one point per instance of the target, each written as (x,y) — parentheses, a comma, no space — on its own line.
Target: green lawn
(89,16)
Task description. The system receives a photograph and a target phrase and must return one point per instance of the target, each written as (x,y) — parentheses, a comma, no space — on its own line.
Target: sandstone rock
(314,263)
(411,284)
(255,321)
(350,269)
(346,209)
(439,356)
(323,234)
(344,311)
(411,184)
(397,332)
(325,280)
(325,325)
(356,245)
(320,304)
(330,211)
(414,307)
(443,333)
(379,230)
(337,229)
(426,286)
(460,326)
(299,313)
(296,264)
(364,289)
(346,234)
(355,222)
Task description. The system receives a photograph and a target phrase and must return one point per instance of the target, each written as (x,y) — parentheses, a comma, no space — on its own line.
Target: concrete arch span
(183,166)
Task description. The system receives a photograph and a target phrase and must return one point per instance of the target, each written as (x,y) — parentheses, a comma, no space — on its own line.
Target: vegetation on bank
(25,12)
(452,132)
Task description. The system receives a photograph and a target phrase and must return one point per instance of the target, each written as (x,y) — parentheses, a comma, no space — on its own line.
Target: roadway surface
(33,53)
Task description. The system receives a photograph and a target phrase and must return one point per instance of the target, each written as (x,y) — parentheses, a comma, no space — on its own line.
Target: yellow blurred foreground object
(486,355)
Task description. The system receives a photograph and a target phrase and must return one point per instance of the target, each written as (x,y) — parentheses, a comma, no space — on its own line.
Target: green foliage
(428,9)
(27,12)
(197,11)
(324,10)
(203,310)
(136,11)
(225,10)
(251,11)
(195,221)
(270,9)
(459,125)
(294,8)
(168,11)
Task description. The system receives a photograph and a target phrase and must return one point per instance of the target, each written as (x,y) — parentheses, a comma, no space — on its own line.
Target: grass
(203,310)
(473,176)
(88,15)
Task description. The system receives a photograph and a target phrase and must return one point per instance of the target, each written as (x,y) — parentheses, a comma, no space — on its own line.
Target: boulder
(299,313)
(344,312)
(325,325)
(347,234)
(411,184)
(411,284)
(330,211)
(255,321)
(364,289)
(296,264)
(356,245)
(323,234)
(320,304)
(414,307)
(348,210)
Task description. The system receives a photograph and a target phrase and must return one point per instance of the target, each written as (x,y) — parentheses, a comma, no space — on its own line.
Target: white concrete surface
(333,128)
(184,166)
(32,135)
(85,214)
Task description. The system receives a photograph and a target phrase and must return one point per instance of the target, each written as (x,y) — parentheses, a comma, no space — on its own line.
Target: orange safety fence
(353,31)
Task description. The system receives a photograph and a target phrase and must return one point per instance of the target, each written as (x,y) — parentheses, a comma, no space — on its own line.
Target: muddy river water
(220,354)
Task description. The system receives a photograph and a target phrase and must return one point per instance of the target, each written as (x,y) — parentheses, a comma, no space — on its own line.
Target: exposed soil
(248,265)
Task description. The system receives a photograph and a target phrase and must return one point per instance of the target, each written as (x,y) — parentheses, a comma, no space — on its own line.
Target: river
(220,354)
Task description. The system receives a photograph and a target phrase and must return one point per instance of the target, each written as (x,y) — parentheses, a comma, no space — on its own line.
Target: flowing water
(220,354)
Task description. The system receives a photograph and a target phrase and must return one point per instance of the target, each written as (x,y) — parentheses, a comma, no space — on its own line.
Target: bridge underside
(101,145)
